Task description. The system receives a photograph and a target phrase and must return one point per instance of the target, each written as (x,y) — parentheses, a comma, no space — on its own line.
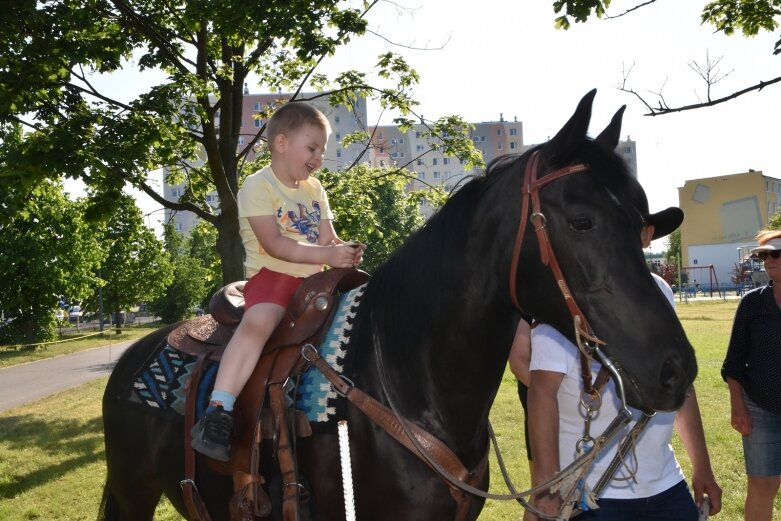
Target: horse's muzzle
(675,378)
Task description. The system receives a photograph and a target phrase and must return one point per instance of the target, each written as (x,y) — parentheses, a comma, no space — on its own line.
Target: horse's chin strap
(530,194)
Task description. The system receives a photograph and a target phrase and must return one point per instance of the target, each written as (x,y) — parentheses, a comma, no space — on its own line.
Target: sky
(493,57)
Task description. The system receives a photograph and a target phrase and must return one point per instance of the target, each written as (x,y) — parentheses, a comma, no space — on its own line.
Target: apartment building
(413,150)
(723,215)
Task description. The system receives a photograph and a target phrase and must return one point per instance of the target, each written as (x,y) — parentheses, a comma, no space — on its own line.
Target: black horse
(440,313)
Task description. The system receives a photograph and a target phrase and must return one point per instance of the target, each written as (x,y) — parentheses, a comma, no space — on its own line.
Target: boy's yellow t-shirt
(297,210)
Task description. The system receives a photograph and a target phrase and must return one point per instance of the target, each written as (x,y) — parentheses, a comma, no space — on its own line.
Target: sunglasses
(763,255)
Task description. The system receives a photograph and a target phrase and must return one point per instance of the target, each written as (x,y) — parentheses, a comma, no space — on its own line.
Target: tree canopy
(371,205)
(748,17)
(53,51)
(137,267)
(48,252)
(189,280)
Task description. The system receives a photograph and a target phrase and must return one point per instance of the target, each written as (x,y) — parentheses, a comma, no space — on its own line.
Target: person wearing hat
(752,370)
(655,487)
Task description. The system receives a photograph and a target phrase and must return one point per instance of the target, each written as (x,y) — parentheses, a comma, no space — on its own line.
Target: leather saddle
(306,314)
(306,321)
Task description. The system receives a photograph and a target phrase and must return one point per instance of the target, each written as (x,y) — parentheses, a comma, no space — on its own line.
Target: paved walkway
(25,383)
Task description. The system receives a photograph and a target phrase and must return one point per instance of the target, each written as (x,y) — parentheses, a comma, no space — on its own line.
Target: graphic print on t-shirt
(306,222)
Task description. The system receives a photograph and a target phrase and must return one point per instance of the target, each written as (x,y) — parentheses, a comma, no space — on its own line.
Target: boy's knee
(261,319)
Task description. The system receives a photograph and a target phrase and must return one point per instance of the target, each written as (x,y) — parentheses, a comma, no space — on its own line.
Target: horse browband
(530,189)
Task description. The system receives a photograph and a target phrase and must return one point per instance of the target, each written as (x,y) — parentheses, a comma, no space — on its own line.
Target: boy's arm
(328,234)
(688,424)
(266,230)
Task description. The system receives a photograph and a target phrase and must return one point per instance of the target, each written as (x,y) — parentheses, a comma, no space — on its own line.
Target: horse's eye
(580,224)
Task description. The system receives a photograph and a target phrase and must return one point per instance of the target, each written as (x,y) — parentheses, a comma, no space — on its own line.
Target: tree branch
(608,17)
(92,92)
(663,108)
(148,30)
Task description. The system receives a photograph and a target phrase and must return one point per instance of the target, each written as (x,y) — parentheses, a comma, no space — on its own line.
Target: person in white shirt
(656,489)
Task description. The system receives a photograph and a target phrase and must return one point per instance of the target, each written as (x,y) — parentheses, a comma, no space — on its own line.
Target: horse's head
(593,220)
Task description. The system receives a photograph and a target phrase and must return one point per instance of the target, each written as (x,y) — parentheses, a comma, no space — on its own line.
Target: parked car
(74,314)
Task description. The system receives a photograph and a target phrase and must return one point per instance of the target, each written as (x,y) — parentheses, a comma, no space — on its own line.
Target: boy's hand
(347,255)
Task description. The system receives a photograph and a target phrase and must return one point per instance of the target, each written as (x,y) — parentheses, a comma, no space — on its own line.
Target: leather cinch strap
(196,508)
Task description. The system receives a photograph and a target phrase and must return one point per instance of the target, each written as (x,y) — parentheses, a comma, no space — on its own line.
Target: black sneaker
(211,435)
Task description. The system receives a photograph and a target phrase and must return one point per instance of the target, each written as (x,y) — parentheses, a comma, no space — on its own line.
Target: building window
(445,160)
(436,175)
(338,136)
(258,123)
(513,145)
(338,152)
(435,161)
(417,135)
(382,162)
(380,136)
(499,146)
(421,175)
(513,131)
(482,139)
(241,140)
(256,107)
(419,148)
(498,132)
(420,162)
(336,119)
(401,141)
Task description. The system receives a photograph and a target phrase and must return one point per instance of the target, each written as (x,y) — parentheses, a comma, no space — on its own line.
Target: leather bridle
(530,194)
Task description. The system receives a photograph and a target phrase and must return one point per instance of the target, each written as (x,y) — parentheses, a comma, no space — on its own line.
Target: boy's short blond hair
(293,115)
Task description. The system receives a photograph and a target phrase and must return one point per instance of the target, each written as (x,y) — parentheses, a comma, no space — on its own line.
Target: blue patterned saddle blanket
(161,382)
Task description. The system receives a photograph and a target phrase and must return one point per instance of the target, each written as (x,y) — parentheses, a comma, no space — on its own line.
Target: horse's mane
(412,291)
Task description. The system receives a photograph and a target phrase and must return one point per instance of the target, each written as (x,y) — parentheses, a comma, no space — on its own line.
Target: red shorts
(268,286)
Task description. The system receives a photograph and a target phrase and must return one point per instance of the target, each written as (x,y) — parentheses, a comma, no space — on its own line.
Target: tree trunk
(229,248)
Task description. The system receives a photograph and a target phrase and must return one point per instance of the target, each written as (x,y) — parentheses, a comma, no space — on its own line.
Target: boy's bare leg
(244,349)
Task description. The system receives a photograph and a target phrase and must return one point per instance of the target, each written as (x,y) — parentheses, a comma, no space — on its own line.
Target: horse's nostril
(672,377)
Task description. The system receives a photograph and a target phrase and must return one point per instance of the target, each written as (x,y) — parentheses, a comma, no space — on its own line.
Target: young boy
(286,228)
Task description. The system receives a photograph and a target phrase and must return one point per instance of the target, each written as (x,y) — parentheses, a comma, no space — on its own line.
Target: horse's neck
(441,373)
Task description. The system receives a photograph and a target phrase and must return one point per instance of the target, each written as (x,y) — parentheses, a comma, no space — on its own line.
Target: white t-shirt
(657,468)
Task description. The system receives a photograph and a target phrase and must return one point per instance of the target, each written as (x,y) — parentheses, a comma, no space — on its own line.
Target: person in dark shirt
(752,370)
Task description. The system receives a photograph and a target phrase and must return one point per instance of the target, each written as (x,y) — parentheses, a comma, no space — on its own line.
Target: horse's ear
(609,137)
(574,131)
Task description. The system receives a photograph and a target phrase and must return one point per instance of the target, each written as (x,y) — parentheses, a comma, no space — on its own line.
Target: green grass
(51,452)
(72,343)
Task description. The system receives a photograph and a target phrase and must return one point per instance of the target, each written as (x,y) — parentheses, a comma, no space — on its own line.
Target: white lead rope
(347,473)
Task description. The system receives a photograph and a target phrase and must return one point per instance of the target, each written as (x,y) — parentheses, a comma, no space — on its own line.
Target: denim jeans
(674,504)
(762,448)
